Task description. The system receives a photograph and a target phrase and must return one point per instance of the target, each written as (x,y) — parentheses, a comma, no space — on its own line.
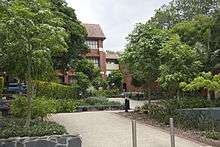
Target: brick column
(102,61)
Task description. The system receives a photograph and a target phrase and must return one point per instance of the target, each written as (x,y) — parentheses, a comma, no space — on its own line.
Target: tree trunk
(178,94)
(208,95)
(149,93)
(29,90)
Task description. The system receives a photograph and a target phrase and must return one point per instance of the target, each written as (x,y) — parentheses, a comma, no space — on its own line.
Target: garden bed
(13,127)
(188,134)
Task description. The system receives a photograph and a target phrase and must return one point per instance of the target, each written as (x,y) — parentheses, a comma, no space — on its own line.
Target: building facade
(106,61)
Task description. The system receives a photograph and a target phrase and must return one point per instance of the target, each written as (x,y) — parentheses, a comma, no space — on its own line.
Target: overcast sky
(116,17)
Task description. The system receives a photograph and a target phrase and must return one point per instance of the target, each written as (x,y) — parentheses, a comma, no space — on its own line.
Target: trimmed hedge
(1,85)
(56,91)
(11,127)
(106,93)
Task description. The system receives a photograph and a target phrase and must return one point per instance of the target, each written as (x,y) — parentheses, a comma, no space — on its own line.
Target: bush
(41,107)
(56,91)
(212,135)
(171,108)
(11,127)
(66,106)
(106,93)
(1,85)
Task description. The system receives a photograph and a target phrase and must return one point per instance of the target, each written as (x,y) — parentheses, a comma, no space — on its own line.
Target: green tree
(88,69)
(179,10)
(99,82)
(141,54)
(82,80)
(76,36)
(30,35)
(201,33)
(115,80)
(206,80)
(179,63)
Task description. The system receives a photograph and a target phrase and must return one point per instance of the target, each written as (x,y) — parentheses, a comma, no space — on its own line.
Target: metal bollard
(134,133)
(127,105)
(172,135)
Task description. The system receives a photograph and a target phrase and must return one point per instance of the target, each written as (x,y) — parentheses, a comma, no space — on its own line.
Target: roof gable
(94,31)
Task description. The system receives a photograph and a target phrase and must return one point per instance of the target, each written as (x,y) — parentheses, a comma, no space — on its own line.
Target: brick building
(106,61)
(95,39)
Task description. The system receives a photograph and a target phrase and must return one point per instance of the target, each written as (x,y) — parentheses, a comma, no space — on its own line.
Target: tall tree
(141,54)
(30,35)
(179,63)
(179,10)
(76,35)
(201,33)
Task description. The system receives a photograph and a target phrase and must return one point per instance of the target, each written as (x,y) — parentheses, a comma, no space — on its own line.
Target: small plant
(12,127)
(213,135)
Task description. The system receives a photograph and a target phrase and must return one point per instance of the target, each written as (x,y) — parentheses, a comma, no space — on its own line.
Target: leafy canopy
(30,31)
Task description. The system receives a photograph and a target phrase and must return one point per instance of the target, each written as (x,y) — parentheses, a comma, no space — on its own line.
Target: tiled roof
(94,31)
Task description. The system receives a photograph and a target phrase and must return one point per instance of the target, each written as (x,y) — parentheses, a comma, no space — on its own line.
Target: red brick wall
(127,79)
(102,62)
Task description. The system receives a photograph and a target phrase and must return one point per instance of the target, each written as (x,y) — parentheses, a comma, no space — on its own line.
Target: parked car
(14,88)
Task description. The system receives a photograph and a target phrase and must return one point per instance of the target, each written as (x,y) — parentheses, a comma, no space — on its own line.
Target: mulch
(187,134)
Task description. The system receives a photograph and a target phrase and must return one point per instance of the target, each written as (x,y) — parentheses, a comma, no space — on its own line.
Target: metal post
(172,135)
(134,133)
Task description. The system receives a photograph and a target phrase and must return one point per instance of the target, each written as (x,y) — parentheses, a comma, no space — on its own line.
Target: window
(92,44)
(112,61)
(94,61)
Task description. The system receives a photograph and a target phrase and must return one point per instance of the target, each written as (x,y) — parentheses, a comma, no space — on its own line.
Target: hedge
(56,91)
(1,85)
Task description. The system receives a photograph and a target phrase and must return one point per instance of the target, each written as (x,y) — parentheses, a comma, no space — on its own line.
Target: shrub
(106,93)
(41,107)
(11,127)
(66,106)
(56,91)
(213,135)
(1,85)
(171,108)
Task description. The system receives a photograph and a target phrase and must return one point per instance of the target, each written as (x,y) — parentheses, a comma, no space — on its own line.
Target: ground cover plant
(13,127)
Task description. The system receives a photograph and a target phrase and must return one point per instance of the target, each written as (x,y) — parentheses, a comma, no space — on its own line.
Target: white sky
(116,17)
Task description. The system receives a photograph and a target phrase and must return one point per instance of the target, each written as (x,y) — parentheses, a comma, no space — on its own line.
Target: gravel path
(107,129)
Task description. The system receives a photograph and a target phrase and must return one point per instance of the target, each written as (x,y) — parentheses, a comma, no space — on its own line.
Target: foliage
(100,82)
(66,106)
(206,80)
(88,69)
(115,80)
(200,33)
(56,91)
(213,135)
(179,62)
(84,83)
(12,127)
(1,85)
(41,107)
(108,93)
(30,35)
(180,10)
(141,54)
(76,35)
(172,109)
